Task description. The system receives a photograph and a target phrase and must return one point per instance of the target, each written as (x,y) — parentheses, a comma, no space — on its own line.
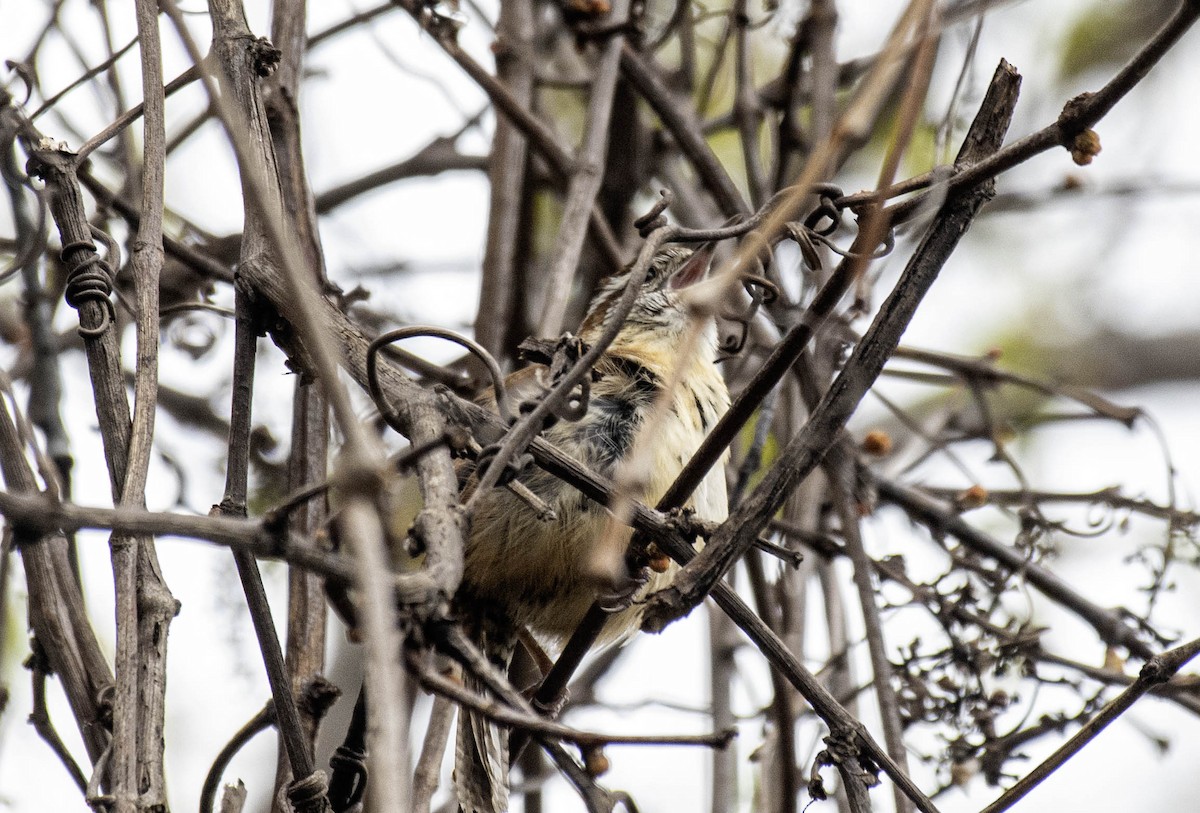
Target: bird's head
(659,305)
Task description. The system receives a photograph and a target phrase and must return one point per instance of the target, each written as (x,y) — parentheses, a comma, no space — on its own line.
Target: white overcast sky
(1128,262)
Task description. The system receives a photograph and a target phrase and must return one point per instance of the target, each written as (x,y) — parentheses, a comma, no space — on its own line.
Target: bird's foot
(550,709)
(621,597)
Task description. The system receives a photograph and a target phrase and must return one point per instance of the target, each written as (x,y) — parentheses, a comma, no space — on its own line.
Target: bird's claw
(553,708)
(622,597)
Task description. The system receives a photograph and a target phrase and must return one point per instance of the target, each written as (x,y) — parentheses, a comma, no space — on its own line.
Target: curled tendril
(826,217)
(90,278)
(733,343)
(348,760)
(558,362)
(553,360)
(398,334)
(653,219)
(767,291)
(1100,519)
(762,292)
(112,250)
(26,74)
(806,238)
(574,406)
(885,248)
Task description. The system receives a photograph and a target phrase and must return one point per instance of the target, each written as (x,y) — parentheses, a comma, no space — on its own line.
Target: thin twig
(257,724)
(438,156)
(38,514)
(233,503)
(429,763)
(540,726)
(507,169)
(39,715)
(131,115)
(584,184)
(85,77)
(1157,671)
(840,468)
(1111,496)
(1077,115)
(155,604)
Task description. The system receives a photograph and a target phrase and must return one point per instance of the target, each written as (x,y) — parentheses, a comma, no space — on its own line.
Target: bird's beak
(694,269)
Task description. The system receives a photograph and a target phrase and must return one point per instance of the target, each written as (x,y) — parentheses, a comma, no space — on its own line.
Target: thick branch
(584,185)
(507,168)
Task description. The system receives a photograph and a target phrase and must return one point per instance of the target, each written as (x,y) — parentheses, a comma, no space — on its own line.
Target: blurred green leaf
(920,155)
(1110,32)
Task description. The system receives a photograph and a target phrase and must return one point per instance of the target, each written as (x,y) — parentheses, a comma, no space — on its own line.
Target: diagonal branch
(541,136)
(681,122)
(1157,671)
(584,185)
(808,447)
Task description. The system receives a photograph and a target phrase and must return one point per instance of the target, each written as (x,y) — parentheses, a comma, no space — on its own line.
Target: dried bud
(590,8)
(994,353)
(974,497)
(657,561)
(594,761)
(1085,146)
(266,57)
(877,443)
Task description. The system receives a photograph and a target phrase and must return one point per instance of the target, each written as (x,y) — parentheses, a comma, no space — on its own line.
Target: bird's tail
(481,747)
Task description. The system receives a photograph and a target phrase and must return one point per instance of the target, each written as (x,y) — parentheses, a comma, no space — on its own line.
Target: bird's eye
(657,272)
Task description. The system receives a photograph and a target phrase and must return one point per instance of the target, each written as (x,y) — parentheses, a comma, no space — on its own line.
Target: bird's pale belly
(539,573)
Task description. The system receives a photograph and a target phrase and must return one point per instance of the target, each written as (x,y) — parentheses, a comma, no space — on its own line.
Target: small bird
(524,571)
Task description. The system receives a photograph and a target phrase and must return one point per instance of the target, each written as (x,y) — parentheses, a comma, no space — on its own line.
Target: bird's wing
(481,747)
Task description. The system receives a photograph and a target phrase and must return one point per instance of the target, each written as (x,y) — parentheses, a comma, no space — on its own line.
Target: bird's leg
(540,658)
(544,664)
(644,560)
